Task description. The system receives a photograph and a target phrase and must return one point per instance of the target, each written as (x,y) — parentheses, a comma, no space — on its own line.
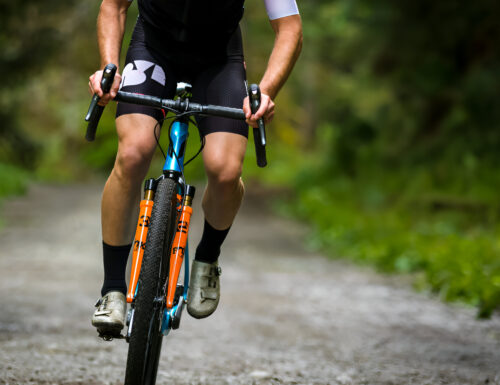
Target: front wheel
(146,337)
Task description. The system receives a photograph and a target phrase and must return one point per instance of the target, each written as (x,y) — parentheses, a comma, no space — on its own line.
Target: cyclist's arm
(110,30)
(286,50)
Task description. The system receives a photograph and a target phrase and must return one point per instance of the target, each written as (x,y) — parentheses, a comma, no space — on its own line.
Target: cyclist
(199,42)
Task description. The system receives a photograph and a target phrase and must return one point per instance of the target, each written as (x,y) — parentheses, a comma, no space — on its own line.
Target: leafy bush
(13,180)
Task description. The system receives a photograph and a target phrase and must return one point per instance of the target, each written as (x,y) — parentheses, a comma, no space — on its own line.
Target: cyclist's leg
(143,73)
(223,155)
(226,139)
(119,205)
(136,145)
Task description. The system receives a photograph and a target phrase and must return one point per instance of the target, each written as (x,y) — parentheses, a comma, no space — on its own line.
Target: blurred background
(385,139)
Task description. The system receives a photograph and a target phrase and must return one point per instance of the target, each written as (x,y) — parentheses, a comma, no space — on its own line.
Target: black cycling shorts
(217,74)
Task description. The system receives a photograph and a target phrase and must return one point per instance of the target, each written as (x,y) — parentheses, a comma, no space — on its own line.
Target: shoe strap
(102,312)
(212,270)
(208,294)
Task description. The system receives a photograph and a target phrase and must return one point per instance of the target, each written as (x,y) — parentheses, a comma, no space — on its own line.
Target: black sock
(115,262)
(208,249)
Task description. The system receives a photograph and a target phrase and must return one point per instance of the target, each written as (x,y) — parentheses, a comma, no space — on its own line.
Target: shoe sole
(112,332)
(106,327)
(195,314)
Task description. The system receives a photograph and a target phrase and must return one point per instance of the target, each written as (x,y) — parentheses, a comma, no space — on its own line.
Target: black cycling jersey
(197,41)
(192,21)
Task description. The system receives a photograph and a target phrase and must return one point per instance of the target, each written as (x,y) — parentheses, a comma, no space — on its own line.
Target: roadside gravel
(287,316)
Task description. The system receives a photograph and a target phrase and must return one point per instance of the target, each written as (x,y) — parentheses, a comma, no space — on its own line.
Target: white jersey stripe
(281,8)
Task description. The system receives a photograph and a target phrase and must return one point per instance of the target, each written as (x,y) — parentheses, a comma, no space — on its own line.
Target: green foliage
(13,180)
(455,252)
(416,92)
(31,32)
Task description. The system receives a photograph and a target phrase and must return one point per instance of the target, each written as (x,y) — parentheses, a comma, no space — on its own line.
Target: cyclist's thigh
(145,73)
(225,139)
(136,131)
(222,84)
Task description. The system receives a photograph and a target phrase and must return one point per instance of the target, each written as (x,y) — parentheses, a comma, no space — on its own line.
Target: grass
(452,251)
(13,180)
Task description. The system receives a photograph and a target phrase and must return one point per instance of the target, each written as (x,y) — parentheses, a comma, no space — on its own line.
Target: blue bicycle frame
(178,140)
(175,163)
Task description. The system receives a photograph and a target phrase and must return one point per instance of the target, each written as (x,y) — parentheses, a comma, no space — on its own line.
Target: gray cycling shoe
(204,289)
(109,317)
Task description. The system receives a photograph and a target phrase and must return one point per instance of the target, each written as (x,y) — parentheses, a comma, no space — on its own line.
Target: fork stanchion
(141,232)
(179,245)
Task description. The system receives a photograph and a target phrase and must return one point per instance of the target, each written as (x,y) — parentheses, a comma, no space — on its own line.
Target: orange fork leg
(140,242)
(178,249)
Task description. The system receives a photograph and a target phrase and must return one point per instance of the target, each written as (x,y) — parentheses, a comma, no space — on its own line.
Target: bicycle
(160,245)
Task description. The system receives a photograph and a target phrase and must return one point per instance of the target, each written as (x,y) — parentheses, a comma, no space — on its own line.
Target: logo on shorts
(135,73)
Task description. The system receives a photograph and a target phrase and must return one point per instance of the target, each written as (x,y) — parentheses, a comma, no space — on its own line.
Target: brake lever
(95,110)
(259,134)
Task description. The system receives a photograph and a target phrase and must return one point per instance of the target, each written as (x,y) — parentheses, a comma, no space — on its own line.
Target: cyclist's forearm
(110,30)
(286,50)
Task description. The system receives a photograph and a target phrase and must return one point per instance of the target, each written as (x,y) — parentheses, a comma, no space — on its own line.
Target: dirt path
(286,316)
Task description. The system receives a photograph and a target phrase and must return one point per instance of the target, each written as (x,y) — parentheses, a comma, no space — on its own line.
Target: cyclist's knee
(136,147)
(132,163)
(224,173)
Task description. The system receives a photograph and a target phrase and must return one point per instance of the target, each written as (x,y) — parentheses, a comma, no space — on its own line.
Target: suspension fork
(140,237)
(179,245)
(172,168)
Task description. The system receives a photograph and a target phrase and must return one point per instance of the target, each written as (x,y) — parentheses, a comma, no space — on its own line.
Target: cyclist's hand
(95,87)
(266,110)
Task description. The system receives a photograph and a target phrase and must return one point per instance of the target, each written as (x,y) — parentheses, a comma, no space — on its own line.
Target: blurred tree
(408,107)
(418,81)
(31,31)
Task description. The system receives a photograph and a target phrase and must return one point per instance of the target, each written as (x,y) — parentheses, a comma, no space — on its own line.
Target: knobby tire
(146,338)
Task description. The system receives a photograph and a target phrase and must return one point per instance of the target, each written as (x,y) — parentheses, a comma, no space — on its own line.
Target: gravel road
(287,316)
